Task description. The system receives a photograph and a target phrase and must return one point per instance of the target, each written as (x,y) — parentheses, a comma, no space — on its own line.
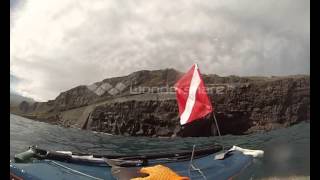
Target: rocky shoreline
(242,105)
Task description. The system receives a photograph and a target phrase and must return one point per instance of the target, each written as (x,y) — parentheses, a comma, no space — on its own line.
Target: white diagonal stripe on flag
(195,82)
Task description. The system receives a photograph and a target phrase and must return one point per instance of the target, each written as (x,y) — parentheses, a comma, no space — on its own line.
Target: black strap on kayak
(124,160)
(142,161)
(203,151)
(58,156)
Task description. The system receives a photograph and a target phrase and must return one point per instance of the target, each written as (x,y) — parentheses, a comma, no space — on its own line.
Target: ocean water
(287,150)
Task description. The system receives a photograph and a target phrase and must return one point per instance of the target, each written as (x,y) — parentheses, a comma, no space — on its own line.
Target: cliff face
(136,105)
(239,108)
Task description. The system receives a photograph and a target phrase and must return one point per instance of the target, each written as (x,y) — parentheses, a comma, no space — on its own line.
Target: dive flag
(192,97)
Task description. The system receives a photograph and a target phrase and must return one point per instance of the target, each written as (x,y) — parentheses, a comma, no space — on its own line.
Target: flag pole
(215,120)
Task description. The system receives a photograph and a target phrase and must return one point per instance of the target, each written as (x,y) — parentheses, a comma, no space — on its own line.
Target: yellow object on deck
(160,172)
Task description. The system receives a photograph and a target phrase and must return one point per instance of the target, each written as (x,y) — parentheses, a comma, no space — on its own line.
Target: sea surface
(287,150)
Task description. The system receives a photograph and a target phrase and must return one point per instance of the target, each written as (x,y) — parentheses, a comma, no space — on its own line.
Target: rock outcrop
(143,104)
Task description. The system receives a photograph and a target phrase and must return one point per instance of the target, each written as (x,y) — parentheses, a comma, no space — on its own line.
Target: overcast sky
(57,44)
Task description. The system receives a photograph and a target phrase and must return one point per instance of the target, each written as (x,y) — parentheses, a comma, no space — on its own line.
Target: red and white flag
(192,97)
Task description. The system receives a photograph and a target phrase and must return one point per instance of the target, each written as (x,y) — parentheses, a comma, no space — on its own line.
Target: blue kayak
(218,165)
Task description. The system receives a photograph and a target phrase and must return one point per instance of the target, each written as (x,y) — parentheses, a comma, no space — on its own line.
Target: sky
(56,45)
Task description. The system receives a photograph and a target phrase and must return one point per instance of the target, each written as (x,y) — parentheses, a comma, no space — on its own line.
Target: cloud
(56,45)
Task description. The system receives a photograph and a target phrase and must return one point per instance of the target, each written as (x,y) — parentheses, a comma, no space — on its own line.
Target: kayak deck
(211,168)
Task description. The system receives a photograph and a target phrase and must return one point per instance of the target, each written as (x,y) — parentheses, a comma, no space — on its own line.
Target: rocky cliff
(143,104)
(239,108)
